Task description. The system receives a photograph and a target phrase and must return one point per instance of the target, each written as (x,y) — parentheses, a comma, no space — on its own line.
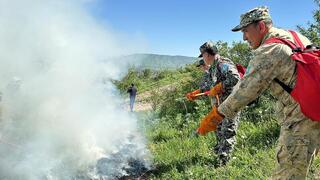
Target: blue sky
(176,27)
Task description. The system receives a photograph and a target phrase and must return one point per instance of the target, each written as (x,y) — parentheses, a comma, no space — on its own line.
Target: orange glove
(210,122)
(191,96)
(216,90)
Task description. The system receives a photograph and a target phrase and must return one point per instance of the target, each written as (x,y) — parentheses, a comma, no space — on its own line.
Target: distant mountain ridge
(157,62)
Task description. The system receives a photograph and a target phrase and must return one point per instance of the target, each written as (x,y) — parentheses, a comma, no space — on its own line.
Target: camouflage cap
(208,47)
(200,63)
(254,15)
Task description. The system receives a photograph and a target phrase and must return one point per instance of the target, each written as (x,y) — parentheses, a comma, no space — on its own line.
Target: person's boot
(223,159)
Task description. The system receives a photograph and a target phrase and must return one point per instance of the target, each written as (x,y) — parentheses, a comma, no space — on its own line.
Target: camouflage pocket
(281,154)
(298,152)
(293,152)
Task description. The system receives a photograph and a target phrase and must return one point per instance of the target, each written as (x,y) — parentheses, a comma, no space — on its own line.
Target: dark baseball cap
(208,47)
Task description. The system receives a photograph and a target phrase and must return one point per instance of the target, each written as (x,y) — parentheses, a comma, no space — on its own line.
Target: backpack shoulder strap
(293,46)
(297,46)
(283,85)
(280,41)
(296,39)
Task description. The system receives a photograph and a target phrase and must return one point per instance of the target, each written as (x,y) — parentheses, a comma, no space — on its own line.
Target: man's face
(205,57)
(253,35)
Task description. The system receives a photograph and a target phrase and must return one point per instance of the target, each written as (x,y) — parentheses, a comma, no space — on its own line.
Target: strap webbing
(297,39)
(284,86)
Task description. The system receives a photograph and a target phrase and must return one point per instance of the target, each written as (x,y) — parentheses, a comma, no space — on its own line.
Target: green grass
(180,155)
(177,154)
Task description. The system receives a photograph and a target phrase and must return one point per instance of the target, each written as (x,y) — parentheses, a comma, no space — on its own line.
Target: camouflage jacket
(224,70)
(205,82)
(270,61)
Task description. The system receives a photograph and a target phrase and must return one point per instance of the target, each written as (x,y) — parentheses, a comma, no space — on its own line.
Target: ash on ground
(132,161)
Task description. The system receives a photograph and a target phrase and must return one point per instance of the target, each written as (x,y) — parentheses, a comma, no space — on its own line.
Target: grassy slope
(147,80)
(180,155)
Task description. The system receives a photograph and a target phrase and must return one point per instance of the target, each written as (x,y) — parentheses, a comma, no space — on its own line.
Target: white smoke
(58,114)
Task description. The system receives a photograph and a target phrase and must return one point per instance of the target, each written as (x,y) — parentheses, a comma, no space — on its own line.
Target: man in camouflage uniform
(205,82)
(223,74)
(299,135)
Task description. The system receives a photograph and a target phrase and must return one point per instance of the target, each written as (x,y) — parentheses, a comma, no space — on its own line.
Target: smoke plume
(60,116)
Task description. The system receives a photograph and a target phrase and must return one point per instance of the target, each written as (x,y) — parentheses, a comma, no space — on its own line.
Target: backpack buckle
(311,48)
(298,49)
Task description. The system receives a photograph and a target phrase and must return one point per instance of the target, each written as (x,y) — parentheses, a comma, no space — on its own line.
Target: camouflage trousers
(298,143)
(226,138)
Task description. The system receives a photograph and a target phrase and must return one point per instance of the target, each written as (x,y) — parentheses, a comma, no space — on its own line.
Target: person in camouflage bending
(205,82)
(224,75)
(299,135)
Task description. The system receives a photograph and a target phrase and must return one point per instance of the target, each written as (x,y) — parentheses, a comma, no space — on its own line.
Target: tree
(313,31)
(239,52)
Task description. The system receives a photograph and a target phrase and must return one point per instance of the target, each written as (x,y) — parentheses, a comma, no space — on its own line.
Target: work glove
(216,90)
(210,122)
(191,96)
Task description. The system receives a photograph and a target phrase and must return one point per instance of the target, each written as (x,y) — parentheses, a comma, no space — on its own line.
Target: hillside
(155,61)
